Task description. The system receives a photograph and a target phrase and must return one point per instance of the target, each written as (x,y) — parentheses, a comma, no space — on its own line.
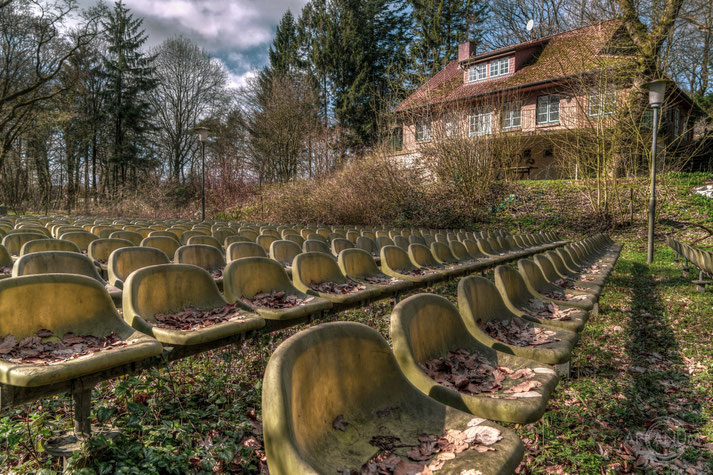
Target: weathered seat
(313,245)
(540,288)
(422,257)
(205,241)
(14,242)
(170,288)
(65,303)
(427,326)
(164,234)
(238,250)
(359,266)
(284,252)
(250,276)
(401,242)
(346,371)
(201,255)
(382,241)
(546,265)
(44,245)
(135,238)
(125,260)
(479,302)
(317,268)
(265,240)
(166,244)
(81,238)
(6,263)
(340,244)
(395,262)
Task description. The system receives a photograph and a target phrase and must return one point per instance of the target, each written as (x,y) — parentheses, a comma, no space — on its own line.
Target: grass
(646,360)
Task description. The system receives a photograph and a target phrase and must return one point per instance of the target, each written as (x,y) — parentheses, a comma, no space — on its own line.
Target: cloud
(238,32)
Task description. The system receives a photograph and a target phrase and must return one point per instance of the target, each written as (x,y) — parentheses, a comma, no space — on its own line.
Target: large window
(499,67)
(480,123)
(548,109)
(423,130)
(477,72)
(602,103)
(512,115)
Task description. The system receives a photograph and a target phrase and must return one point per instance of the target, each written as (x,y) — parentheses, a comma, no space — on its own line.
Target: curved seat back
(14,242)
(56,262)
(125,260)
(134,238)
(357,264)
(44,245)
(421,256)
(100,249)
(166,244)
(201,255)
(284,251)
(238,250)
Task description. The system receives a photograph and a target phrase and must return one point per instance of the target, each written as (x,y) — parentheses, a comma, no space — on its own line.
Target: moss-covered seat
(238,250)
(170,288)
(345,371)
(317,268)
(422,257)
(395,262)
(204,256)
(427,326)
(44,245)
(250,276)
(100,249)
(166,244)
(265,240)
(62,262)
(284,252)
(401,242)
(479,302)
(442,254)
(14,242)
(359,266)
(340,244)
(125,260)
(522,302)
(81,238)
(550,274)
(65,303)
(134,238)
(314,245)
(574,271)
(538,286)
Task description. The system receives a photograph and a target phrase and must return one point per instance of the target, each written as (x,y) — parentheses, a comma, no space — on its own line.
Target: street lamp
(657,93)
(203,137)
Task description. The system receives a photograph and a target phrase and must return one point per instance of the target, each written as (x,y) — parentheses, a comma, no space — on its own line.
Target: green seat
(442,254)
(44,245)
(265,240)
(480,302)
(14,242)
(538,286)
(65,303)
(135,238)
(316,268)
(81,238)
(427,326)
(345,371)
(239,250)
(201,255)
(567,268)
(359,266)
(401,242)
(422,257)
(340,244)
(284,252)
(244,278)
(166,244)
(125,260)
(170,288)
(313,245)
(395,262)
(100,250)
(517,298)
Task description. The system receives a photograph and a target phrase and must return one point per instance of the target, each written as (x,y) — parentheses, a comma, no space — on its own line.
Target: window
(548,109)
(601,104)
(480,123)
(512,117)
(477,72)
(449,124)
(499,67)
(423,130)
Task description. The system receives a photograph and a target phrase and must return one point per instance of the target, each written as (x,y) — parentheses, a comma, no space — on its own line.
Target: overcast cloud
(238,32)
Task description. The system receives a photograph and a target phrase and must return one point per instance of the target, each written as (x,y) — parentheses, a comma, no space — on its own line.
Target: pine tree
(283,56)
(129,74)
(439,26)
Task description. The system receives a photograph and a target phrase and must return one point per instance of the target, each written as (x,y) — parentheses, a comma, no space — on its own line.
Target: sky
(238,32)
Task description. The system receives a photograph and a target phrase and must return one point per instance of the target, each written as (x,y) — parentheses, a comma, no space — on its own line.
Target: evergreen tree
(129,74)
(283,56)
(439,26)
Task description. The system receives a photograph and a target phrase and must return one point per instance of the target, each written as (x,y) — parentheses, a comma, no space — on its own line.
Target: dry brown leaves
(216,272)
(5,270)
(431,453)
(275,299)
(191,318)
(335,288)
(517,332)
(568,284)
(557,295)
(414,272)
(473,374)
(549,310)
(44,348)
(380,280)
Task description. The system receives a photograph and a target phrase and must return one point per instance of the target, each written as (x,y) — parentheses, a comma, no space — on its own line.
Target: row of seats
(700,259)
(346,372)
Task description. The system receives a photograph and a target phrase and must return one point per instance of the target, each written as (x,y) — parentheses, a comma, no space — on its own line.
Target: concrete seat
(317,268)
(65,303)
(395,262)
(249,276)
(14,242)
(239,250)
(205,241)
(125,260)
(135,238)
(170,288)
(190,233)
(61,262)
(480,302)
(382,241)
(234,238)
(517,298)
(359,266)
(44,245)
(571,270)
(427,326)
(346,371)
(166,244)
(442,254)
(221,234)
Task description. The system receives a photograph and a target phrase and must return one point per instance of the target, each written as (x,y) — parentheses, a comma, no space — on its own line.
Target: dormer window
(493,69)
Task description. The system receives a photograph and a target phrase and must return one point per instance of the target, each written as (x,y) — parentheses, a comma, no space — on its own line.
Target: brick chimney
(466,50)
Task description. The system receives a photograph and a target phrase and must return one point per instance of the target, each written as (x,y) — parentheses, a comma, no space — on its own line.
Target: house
(537,94)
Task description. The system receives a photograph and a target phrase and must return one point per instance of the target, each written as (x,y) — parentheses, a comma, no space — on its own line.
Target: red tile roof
(560,56)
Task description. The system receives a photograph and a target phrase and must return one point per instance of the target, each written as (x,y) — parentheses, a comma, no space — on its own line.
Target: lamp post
(203,137)
(657,93)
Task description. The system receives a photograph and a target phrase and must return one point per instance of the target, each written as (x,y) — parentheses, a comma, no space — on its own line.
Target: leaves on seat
(191,318)
(518,332)
(335,288)
(276,299)
(549,310)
